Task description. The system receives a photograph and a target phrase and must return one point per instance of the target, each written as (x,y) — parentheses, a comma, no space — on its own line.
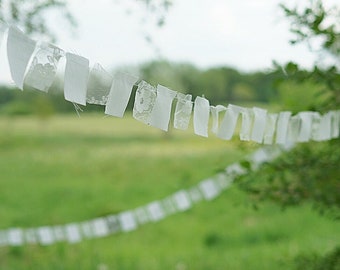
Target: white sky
(246,34)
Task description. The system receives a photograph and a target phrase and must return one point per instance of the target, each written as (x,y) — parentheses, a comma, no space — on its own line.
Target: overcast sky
(246,34)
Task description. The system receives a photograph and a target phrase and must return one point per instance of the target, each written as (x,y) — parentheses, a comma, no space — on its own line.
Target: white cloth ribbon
(215,113)
(259,125)
(183,111)
(86,229)
(30,236)
(45,235)
(15,237)
(335,124)
(246,125)
(75,79)
(269,132)
(59,233)
(155,211)
(72,233)
(100,227)
(228,124)
(182,200)
(282,127)
(120,93)
(201,116)
(161,111)
(305,131)
(141,215)
(98,85)
(19,51)
(127,221)
(113,223)
(209,189)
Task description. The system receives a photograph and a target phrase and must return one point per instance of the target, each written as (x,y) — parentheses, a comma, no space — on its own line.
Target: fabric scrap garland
(129,220)
(34,64)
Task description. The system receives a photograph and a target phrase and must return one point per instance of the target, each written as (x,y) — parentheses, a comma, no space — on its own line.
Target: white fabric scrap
(45,235)
(120,93)
(86,229)
(3,28)
(144,102)
(201,116)
(258,157)
(75,79)
(98,85)
(43,67)
(30,236)
(141,215)
(72,233)
(282,127)
(169,206)
(223,180)
(335,129)
(155,211)
(215,113)
(183,111)
(305,132)
(269,132)
(113,223)
(259,126)
(100,227)
(182,200)
(228,124)
(15,237)
(246,125)
(127,221)
(294,128)
(325,128)
(195,194)
(59,233)
(209,189)
(160,114)
(19,51)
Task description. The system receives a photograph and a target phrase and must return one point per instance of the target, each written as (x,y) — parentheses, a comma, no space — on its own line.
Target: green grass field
(70,169)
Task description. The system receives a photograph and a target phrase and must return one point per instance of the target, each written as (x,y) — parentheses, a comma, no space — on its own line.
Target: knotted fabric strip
(270,128)
(259,126)
(120,93)
(201,116)
(282,127)
(228,124)
(19,51)
(160,114)
(76,77)
(215,113)
(43,67)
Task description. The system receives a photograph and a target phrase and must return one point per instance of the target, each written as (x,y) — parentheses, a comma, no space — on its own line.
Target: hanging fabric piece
(215,112)
(98,85)
(113,223)
(160,114)
(269,131)
(127,221)
(183,111)
(335,115)
(120,93)
(43,68)
(86,229)
(76,77)
(209,189)
(45,236)
(246,125)
(182,200)
(294,127)
(155,211)
(305,131)
(144,102)
(15,237)
(325,128)
(30,236)
(259,126)
(59,233)
(169,205)
(228,124)
(282,127)
(195,194)
(100,227)
(19,51)
(3,29)
(72,233)
(141,215)
(201,116)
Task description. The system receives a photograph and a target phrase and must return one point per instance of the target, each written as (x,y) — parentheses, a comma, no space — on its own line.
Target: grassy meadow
(67,169)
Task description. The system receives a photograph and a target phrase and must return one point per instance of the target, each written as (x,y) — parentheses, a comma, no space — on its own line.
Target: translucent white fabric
(160,114)
(120,93)
(228,124)
(259,126)
(144,102)
(30,236)
(19,51)
(127,221)
(72,233)
(141,215)
(113,223)
(86,229)
(98,85)
(269,132)
(3,29)
(15,237)
(182,200)
(45,235)
(209,189)
(183,111)
(201,116)
(59,233)
(305,131)
(155,211)
(282,127)
(215,113)
(100,227)
(43,67)
(75,79)
(246,124)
